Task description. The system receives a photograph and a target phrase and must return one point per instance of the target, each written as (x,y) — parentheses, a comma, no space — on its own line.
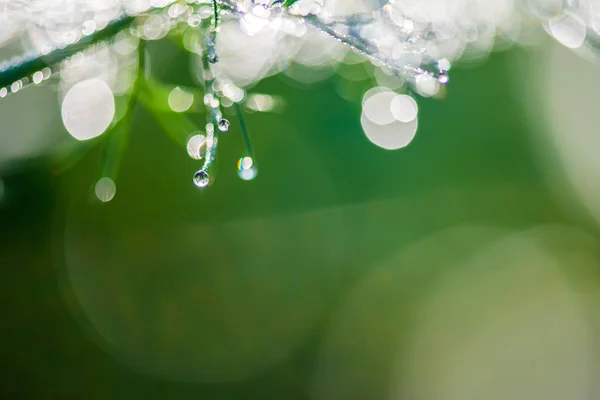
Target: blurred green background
(463,266)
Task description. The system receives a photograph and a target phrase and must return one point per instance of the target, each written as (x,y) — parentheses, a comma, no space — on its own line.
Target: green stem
(244,130)
(216,13)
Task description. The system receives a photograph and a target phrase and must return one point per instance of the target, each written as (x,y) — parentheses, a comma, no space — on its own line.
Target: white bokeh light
(569,29)
(388,119)
(88,109)
(404,108)
(180,100)
(377,108)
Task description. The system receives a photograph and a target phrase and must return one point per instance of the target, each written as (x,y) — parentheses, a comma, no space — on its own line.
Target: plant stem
(216,13)
(32,65)
(120,132)
(244,130)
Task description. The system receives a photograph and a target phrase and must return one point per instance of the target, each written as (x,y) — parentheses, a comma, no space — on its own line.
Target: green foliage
(289,3)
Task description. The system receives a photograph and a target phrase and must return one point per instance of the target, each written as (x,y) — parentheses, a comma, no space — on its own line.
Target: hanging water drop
(443,78)
(212,56)
(223,125)
(105,189)
(444,64)
(16,86)
(211,51)
(38,77)
(246,168)
(201,179)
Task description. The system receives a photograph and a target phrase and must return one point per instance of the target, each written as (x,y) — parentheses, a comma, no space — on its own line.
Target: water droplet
(212,56)
(443,78)
(211,51)
(246,168)
(194,20)
(16,86)
(426,85)
(245,163)
(88,27)
(38,77)
(201,179)
(210,129)
(196,146)
(247,174)
(105,189)
(47,73)
(223,125)
(211,101)
(3,92)
(444,64)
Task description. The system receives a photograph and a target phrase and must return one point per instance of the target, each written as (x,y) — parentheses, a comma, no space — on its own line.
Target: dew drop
(212,56)
(245,163)
(246,168)
(223,125)
(46,73)
(443,78)
(201,179)
(38,77)
(88,27)
(105,189)
(211,51)
(194,20)
(426,85)
(16,86)
(196,146)
(3,92)
(444,64)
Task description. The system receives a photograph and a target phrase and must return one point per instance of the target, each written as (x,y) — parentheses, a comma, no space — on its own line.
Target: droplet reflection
(105,189)
(196,146)
(201,179)
(246,168)
(223,125)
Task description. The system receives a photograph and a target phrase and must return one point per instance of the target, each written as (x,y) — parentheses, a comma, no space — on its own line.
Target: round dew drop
(223,125)
(105,189)
(201,179)
(212,57)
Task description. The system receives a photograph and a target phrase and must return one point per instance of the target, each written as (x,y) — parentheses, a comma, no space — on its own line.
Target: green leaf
(289,3)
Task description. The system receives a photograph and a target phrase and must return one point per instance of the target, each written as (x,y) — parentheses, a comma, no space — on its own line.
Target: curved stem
(30,66)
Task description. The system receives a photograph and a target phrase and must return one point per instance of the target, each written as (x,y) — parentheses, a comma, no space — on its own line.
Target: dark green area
(472,163)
